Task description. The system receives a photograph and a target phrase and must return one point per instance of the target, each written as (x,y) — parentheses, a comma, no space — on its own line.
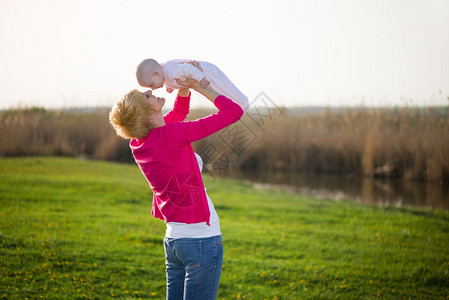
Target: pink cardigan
(166,159)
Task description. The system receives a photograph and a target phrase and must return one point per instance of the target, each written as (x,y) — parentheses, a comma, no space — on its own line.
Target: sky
(64,53)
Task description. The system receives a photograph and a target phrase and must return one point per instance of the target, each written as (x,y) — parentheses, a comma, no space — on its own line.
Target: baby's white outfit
(178,69)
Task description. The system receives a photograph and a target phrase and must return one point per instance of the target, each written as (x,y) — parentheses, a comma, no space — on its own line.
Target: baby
(154,75)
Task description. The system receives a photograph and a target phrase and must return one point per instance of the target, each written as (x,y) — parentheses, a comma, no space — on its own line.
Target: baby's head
(150,74)
(130,115)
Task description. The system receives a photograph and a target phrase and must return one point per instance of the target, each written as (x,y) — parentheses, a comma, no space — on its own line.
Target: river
(366,190)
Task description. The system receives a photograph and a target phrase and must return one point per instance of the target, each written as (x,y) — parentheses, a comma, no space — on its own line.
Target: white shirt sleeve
(188,71)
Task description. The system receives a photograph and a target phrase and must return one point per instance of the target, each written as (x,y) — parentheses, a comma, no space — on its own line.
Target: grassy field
(78,229)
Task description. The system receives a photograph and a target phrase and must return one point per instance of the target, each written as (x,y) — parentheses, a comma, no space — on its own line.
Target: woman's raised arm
(207,92)
(183,133)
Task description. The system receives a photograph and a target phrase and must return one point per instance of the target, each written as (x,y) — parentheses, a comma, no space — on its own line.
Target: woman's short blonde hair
(130,115)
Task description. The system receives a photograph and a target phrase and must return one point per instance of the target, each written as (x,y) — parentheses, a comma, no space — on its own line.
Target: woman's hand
(184,92)
(207,92)
(189,83)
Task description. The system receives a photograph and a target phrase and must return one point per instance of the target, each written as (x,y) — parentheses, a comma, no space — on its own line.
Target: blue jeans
(193,267)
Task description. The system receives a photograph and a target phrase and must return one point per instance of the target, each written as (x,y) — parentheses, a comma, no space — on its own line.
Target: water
(367,190)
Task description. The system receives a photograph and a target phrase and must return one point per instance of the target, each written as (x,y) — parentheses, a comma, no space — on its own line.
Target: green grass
(80,229)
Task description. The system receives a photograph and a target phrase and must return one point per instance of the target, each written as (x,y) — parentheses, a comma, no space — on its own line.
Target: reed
(409,143)
(36,131)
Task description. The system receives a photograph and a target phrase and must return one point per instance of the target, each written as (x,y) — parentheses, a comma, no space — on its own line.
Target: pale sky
(65,53)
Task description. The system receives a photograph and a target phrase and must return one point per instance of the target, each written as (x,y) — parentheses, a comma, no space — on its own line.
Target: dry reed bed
(37,131)
(410,143)
(403,142)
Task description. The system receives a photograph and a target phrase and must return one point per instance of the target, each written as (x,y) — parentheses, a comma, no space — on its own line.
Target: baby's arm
(193,70)
(203,82)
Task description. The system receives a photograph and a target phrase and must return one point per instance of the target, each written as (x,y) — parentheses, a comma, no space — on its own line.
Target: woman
(161,146)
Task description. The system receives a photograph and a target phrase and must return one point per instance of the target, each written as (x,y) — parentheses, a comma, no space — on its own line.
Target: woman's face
(157,103)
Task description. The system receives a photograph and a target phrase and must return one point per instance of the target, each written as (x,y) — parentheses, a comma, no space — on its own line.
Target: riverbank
(74,228)
(365,189)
